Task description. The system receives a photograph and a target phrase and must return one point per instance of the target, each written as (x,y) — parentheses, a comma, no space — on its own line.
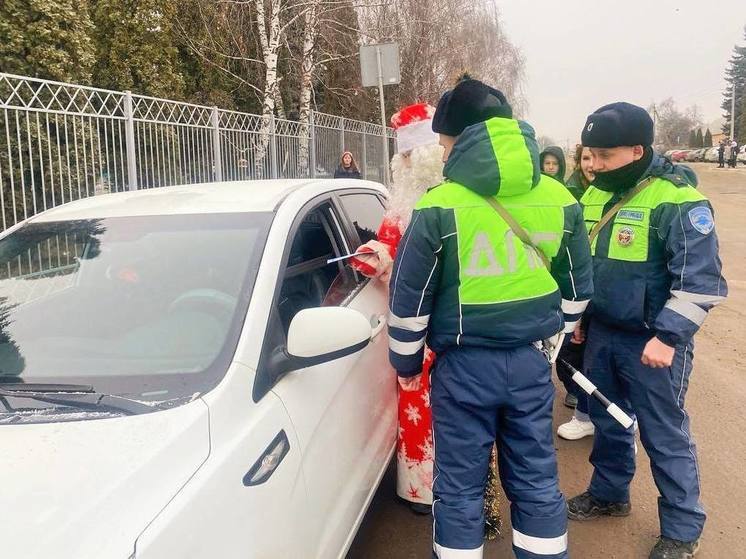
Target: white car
(711,155)
(184,375)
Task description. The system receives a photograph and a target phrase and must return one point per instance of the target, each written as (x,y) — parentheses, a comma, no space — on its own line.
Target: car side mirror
(320,335)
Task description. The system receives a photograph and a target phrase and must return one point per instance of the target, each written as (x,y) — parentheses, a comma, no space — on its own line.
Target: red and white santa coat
(417,166)
(414,466)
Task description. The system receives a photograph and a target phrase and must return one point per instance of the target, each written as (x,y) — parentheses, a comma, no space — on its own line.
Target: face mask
(625,177)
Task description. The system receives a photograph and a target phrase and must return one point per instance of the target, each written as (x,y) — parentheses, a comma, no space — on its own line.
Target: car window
(306,281)
(366,214)
(309,280)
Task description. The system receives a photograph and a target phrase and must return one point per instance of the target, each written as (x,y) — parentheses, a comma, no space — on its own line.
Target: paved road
(716,398)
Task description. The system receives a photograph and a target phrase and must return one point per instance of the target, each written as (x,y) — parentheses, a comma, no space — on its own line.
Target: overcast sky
(581,54)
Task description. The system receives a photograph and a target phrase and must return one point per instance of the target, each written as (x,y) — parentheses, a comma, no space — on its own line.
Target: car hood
(89,488)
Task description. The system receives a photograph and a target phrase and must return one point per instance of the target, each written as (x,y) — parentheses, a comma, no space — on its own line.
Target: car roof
(205,198)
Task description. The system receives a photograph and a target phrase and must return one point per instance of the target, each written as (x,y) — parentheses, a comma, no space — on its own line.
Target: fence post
(342,136)
(129,136)
(216,152)
(272,147)
(364,155)
(312,143)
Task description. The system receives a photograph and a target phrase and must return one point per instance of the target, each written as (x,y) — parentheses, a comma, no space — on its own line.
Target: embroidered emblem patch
(634,215)
(702,220)
(626,236)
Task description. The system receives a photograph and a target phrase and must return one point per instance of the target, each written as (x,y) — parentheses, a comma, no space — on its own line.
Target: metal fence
(61,142)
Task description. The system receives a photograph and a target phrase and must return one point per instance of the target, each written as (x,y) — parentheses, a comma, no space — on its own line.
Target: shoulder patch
(702,220)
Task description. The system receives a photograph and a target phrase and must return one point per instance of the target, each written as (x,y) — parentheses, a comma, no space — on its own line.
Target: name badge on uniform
(634,215)
(626,236)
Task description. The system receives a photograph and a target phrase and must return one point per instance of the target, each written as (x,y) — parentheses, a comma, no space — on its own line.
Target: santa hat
(413,125)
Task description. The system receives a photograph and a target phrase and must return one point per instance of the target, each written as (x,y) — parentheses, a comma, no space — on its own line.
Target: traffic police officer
(466,283)
(657,273)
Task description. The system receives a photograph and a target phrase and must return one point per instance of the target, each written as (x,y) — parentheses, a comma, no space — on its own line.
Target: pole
(384,135)
(342,135)
(364,156)
(312,142)
(216,157)
(273,172)
(129,138)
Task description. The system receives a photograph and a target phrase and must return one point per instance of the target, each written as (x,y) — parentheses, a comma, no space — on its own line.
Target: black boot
(666,548)
(419,508)
(586,507)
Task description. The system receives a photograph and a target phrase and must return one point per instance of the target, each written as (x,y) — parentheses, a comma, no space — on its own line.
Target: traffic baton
(614,411)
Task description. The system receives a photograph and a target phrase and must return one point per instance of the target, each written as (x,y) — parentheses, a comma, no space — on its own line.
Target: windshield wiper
(40,388)
(80,396)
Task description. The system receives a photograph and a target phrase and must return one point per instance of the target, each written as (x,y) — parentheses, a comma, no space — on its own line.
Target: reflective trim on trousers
(448,553)
(540,546)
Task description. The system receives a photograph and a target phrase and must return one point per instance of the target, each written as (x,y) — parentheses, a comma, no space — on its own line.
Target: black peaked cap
(618,124)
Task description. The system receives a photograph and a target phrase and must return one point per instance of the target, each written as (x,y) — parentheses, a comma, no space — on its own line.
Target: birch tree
(308,67)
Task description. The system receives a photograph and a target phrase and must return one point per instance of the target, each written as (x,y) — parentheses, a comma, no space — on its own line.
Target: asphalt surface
(715,402)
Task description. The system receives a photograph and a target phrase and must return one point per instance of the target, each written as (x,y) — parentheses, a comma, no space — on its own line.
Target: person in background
(721,154)
(582,175)
(347,168)
(580,425)
(733,154)
(552,162)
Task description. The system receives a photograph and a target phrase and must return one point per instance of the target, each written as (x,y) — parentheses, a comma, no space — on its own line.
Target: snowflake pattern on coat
(414,466)
(413,414)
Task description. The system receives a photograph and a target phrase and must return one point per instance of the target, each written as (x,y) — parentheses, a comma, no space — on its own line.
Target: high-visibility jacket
(463,278)
(656,265)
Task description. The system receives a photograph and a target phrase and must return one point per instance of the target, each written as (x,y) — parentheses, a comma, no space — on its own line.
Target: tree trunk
(308,67)
(269,36)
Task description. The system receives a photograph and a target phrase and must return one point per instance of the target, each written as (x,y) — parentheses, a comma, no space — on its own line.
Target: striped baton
(615,411)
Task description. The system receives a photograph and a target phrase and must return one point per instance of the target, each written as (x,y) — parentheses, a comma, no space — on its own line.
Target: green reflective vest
(494,266)
(630,229)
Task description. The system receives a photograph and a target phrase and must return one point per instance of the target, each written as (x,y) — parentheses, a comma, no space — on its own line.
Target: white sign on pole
(379,66)
(390,70)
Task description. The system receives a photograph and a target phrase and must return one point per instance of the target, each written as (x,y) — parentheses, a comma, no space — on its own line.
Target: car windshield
(146,307)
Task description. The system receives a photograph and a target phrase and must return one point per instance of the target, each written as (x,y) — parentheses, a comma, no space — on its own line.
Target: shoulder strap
(519,231)
(608,216)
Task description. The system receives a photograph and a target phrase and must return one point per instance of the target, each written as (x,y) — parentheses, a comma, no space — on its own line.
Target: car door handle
(378,328)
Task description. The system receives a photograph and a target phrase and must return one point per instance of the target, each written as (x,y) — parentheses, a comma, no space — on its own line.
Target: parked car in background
(711,155)
(679,154)
(194,371)
(742,155)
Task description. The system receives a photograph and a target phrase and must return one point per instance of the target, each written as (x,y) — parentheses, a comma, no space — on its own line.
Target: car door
(344,411)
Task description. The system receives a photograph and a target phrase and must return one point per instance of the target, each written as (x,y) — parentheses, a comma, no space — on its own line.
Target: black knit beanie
(470,102)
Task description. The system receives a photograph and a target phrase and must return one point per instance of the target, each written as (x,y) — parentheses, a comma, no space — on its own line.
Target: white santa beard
(411,181)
